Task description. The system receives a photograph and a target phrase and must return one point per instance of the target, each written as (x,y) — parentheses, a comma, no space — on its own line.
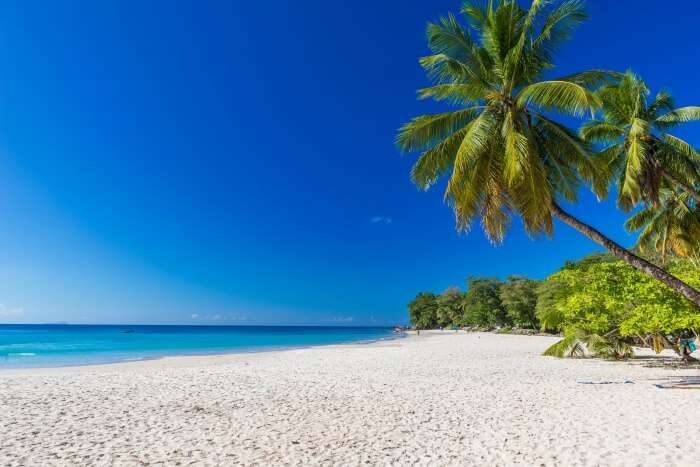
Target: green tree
(605,304)
(553,291)
(422,311)
(634,132)
(519,298)
(659,311)
(589,260)
(502,153)
(482,303)
(449,307)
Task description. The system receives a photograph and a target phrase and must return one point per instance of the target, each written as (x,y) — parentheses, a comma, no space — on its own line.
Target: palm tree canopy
(503,152)
(634,132)
(672,226)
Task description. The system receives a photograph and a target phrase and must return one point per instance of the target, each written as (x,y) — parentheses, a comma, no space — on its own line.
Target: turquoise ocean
(51,345)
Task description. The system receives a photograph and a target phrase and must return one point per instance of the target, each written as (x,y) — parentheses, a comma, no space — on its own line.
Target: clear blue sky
(232,162)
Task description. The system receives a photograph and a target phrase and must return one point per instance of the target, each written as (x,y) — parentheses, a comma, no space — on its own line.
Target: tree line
(487,303)
(599,304)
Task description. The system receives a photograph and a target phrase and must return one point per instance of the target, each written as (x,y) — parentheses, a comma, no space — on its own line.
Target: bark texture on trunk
(687,188)
(630,258)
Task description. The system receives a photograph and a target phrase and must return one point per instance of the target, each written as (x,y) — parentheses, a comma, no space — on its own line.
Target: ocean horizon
(58,345)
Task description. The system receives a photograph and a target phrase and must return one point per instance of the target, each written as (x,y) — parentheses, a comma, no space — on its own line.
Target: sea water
(50,345)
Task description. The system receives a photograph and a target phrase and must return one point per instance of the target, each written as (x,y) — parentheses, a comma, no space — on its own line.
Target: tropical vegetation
(599,304)
(504,152)
(487,304)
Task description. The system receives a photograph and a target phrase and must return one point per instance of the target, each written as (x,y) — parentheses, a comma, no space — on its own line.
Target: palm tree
(672,226)
(611,346)
(641,152)
(504,156)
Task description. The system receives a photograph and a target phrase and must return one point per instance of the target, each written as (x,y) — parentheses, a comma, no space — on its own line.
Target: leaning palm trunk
(624,254)
(502,153)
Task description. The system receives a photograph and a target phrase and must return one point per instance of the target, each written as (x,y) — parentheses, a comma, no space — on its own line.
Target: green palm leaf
(560,24)
(560,96)
(457,93)
(593,169)
(592,79)
(662,101)
(569,346)
(437,161)
(681,147)
(636,158)
(681,115)
(448,37)
(427,130)
(601,132)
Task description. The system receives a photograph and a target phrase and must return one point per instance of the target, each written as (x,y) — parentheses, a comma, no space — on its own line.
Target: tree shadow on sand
(663,361)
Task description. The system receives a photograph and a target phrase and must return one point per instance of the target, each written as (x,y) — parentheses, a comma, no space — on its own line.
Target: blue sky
(233,162)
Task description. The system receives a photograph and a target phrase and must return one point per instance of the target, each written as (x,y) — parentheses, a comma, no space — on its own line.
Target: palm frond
(449,38)
(637,148)
(455,93)
(624,100)
(662,101)
(593,169)
(560,24)
(477,14)
(445,69)
(613,156)
(592,78)
(516,146)
(523,61)
(436,162)
(682,147)
(609,346)
(597,131)
(427,130)
(681,115)
(470,170)
(569,346)
(496,206)
(640,219)
(560,96)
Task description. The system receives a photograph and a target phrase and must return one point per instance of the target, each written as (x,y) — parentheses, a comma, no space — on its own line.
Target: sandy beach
(434,399)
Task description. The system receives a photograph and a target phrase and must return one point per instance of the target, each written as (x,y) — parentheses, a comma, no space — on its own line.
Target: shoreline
(188,360)
(177,360)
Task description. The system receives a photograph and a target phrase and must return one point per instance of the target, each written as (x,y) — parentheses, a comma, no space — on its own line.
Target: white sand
(449,399)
